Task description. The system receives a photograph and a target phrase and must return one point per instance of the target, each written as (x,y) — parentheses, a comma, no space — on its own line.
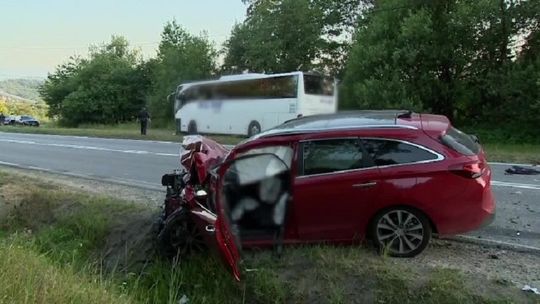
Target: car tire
(179,236)
(254,128)
(192,128)
(400,232)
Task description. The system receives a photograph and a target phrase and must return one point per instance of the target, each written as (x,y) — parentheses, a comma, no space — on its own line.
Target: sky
(38,35)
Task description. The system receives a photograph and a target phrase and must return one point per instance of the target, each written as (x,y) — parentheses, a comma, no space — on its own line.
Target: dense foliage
(462,59)
(109,87)
(181,57)
(476,61)
(290,35)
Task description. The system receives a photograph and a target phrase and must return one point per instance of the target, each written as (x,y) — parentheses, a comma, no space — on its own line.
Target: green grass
(518,153)
(124,131)
(29,277)
(55,244)
(497,150)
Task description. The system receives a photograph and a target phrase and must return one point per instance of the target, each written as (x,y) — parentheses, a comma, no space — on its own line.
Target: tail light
(469,170)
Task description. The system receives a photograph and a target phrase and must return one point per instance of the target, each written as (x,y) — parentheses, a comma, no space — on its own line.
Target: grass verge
(513,153)
(58,245)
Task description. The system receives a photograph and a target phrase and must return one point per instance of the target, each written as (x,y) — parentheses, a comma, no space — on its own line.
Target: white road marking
(511,164)
(82,147)
(515,185)
(88,137)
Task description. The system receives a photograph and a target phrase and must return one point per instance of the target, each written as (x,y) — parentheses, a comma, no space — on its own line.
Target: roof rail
(314,130)
(406,114)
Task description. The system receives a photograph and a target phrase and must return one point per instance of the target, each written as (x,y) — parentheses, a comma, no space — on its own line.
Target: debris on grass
(531,289)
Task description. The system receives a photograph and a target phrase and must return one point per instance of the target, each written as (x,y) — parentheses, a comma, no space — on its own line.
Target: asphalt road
(141,163)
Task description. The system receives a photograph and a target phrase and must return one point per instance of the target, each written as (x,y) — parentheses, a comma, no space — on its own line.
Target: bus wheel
(192,128)
(254,128)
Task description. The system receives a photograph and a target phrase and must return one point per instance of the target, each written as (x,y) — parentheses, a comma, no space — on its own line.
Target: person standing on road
(144,118)
(2,119)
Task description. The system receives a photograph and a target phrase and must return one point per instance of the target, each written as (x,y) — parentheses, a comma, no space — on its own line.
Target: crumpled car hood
(200,154)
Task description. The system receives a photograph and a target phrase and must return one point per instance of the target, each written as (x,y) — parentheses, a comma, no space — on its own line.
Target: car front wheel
(179,236)
(401,232)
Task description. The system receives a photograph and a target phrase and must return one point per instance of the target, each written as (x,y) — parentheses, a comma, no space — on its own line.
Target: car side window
(326,156)
(391,152)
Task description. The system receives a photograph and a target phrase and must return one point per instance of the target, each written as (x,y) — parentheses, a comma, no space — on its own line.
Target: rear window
(390,152)
(318,85)
(460,142)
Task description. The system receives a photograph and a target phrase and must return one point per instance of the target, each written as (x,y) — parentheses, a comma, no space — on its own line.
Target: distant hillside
(25,89)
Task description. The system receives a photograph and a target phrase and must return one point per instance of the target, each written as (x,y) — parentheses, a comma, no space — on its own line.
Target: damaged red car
(393,177)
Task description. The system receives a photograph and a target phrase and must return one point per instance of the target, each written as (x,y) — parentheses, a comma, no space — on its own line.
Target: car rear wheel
(401,232)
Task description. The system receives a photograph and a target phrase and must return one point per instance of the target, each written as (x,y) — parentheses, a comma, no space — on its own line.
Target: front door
(336,181)
(252,194)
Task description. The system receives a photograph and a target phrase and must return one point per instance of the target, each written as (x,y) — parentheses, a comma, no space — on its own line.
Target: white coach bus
(246,104)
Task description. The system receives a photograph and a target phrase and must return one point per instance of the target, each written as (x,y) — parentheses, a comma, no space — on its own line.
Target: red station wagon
(394,177)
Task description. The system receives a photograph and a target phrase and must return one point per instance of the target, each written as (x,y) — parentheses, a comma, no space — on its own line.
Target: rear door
(336,182)
(403,165)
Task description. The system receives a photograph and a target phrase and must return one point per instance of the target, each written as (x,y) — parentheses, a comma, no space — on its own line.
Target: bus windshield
(318,85)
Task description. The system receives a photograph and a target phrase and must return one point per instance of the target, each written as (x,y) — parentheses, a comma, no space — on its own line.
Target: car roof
(346,121)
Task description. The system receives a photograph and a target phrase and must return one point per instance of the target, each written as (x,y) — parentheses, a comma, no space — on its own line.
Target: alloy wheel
(401,233)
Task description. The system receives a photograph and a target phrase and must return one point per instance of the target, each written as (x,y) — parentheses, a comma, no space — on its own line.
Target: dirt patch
(151,198)
(9,194)
(12,194)
(20,206)
(129,247)
(358,275)
(516,268)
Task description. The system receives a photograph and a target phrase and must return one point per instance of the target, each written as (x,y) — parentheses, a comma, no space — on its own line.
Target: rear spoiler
(434,125)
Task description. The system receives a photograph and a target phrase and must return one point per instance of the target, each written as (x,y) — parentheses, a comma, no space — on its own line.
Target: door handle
(365,185)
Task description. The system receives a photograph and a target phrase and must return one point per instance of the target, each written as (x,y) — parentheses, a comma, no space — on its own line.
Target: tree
(60,84)
(107,88)
(3,107)
(181,57)
(450,57)
(279,36)
(287,35)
